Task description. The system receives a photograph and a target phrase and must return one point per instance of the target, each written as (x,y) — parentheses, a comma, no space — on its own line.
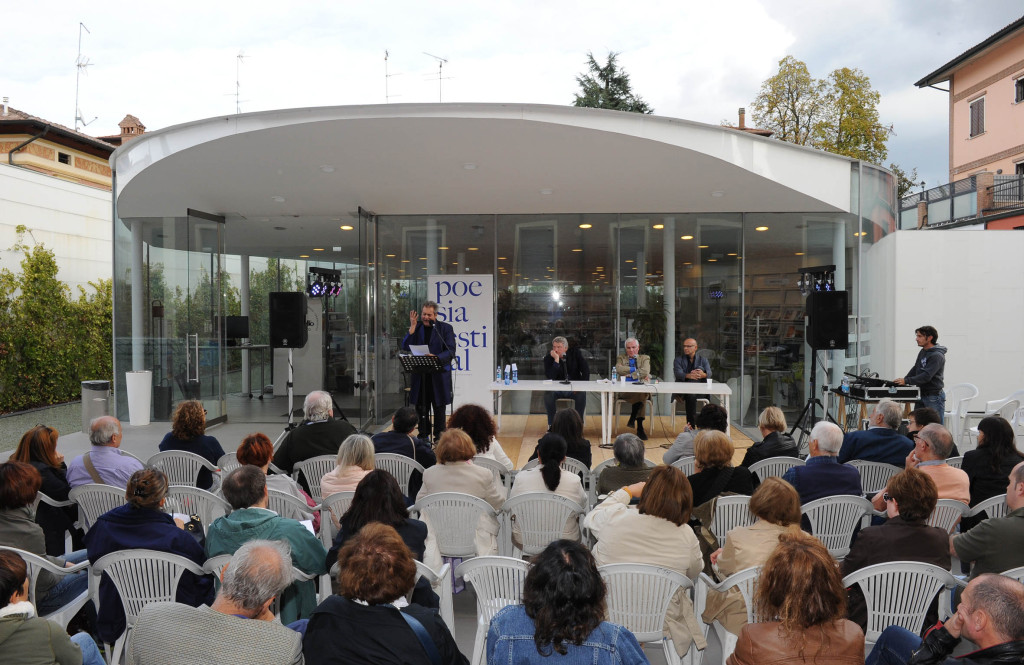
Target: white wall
(969,286)
(71,220)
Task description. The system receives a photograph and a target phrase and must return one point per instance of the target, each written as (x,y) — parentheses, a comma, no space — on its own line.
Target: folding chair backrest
(497,582)
(992,507)
(731,512)
(686,464)
(399,466)
(774,466)
(180,467)
(331,510)
(540,518)
(94,499)
(834,518)
(289,506)
(639,595)
(947,514)
(313,469)
(874,476)
(453,518)
(194,501)
(228,463)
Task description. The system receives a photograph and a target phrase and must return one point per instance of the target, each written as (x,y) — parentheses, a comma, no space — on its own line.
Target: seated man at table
(691,368)
(635,368)
(565,364)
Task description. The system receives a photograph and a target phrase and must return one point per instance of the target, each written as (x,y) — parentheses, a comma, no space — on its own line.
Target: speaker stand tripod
(291,398)
(807,419)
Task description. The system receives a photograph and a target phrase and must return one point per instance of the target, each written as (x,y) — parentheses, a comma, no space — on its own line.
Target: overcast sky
(171,63)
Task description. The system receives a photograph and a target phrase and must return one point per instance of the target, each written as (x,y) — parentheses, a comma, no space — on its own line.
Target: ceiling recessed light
(346,227)
(687,263)
(390,256)
(303,256)
(443,247)
(799,253)
(659,226)
(578,249)
(472,249)
(731,254)
(686,237)
(586,226)
(712,260)
(760,228)
(327,168)
(318,249)
(405,260)
(629,260)
(503,258)
(423,258)
(279,199)
(702,246)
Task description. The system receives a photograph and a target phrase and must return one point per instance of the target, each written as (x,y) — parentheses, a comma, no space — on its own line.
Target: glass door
(205,312)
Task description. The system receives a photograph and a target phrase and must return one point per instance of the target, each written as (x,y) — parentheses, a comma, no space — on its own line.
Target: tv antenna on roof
(440,66)
(80,64)
(238,79)
(387,94)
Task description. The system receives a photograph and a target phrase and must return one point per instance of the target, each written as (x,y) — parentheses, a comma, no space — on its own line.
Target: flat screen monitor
(236,327)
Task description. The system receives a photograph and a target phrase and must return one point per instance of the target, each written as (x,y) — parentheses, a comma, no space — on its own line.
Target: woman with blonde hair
(355,460)
(656,533)
(188,433)
(776,505)
(713,452)
(455,472)
(775,441)
(801,602)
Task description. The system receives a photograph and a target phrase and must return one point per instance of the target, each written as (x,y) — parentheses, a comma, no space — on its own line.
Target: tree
(905,180)
(838,114)
(608,87)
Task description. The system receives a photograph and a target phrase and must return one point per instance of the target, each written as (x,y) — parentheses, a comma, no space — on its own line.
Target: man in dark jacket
(822,475)
(318,433)
(928,370)
(565,365)
(881,442)
(990,614)
(400,441)
(691,368)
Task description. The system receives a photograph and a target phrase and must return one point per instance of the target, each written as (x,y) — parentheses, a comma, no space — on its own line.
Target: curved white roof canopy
(438,159)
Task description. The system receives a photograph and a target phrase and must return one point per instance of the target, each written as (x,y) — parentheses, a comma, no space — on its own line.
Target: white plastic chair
(228,463)
(194,501)
(745,582)
(899,593)
(497,582)
(141,577)
(453,518)
(43,498)
(834,518)
(874,476)
(331,510)
(595,476)
(314,469)
(638,597)
(730,512)
(439,580)
(399,466)
(674,404)
(1015,573)
(774,466)
(289,506)
(36,564)
(94,499)
(618,410)
(572,465)
(688,465)
(959,400)
(182,467)
(947,514)
(539,518)
(1004,408)
(503,475)
(955,462)
(993,507)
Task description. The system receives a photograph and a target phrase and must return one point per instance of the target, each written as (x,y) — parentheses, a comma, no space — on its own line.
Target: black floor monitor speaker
(826,320)
(288,320)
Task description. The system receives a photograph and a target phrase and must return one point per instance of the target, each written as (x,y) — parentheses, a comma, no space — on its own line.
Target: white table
(606,392)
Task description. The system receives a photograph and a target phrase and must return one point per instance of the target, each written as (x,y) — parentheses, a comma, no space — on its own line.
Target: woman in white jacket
(654,532)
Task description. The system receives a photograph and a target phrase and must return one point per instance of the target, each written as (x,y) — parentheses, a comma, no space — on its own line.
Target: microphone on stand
(565,370)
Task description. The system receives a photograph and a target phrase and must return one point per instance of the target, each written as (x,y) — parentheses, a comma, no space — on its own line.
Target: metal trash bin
(95,401)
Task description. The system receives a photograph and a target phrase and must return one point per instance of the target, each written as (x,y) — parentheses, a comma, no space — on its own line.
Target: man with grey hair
(104,463)
(630,468)
(319,433)
(237,628)
(822,475)
(634,368)
(990,615)
(931,448)
(566,365)
(881,442)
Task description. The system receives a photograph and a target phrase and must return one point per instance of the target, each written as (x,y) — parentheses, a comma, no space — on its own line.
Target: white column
(138,302)
(668,265)
(244,292)
(838,357)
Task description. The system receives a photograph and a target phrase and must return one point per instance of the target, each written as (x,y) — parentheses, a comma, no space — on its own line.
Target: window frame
(971,105)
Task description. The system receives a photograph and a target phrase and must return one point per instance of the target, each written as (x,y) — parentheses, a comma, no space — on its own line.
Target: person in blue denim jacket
(560,619)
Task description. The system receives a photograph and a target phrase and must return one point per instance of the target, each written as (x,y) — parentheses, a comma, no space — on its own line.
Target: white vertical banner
(466,302)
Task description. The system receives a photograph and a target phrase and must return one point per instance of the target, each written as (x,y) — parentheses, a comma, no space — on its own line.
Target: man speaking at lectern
(439,338)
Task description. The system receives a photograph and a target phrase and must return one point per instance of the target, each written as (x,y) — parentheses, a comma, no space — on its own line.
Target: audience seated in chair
(990,614)
(355,460)
(822,475)
(319,433)
(245,489)
(775,441)
(562,616)
(188,433)
(25,638)
(997,544)
(801,592)
(237,628)
(631,468)
(257,450)
(931,448)
(569,425)
(715,474)
(477,422)
(988,466)
(38,447)
(103,463)
(369,620)
(655,533)
(712,416)
(550,477)
(399,440)
(881,442)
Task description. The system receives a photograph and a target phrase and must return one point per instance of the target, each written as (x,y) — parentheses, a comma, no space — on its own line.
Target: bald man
(691,368)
